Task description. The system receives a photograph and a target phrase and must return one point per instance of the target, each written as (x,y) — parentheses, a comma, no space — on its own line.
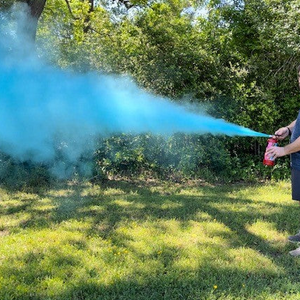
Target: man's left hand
(276,152)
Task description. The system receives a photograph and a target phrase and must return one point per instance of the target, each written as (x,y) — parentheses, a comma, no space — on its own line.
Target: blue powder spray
(43,108)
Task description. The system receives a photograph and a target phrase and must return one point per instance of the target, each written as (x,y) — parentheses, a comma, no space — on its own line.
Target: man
(293,149)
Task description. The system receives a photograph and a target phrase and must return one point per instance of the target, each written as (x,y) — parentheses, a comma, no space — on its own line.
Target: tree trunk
(36,8)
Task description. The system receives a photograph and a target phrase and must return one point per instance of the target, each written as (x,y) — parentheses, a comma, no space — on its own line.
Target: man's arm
(281,134)
(292,125)
(288,149)
(292,147)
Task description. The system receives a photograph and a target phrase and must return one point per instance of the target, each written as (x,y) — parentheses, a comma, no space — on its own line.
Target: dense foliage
(238,60)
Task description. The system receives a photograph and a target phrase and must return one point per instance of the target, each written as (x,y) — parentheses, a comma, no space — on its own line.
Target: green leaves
(239,61)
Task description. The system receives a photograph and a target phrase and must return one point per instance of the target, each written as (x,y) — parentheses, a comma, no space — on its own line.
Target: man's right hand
(281,133)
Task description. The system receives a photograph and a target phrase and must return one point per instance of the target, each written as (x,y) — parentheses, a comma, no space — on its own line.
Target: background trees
(238,60)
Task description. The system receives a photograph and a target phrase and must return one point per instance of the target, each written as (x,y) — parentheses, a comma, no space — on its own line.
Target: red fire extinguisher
(270,161)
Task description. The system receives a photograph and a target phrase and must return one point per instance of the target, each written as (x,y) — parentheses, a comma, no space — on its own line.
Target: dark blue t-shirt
(295,157)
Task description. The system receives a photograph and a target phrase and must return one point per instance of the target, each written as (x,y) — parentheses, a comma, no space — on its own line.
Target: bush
(18,175)
(181,156)
(190,156)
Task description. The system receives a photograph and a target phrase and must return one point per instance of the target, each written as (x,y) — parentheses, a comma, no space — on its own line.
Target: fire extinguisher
(270,161)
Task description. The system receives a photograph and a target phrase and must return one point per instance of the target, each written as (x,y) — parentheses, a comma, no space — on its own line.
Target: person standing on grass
(293,148)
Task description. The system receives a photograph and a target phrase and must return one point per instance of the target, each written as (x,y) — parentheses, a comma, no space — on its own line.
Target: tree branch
(70,10)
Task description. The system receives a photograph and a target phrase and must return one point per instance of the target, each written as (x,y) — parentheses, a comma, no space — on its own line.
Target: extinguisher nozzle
(272,135)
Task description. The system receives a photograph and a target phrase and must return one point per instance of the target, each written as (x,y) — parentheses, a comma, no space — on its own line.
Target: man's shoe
(294,238)
(295,252)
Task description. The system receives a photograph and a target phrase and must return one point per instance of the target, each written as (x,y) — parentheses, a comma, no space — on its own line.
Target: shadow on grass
(207,280)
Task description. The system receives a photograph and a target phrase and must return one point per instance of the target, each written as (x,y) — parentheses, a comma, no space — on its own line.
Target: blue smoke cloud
(43,108)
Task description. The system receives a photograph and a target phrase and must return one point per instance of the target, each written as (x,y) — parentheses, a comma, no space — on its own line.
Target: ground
(149,240)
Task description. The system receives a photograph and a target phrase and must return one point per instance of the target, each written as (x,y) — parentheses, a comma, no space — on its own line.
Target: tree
(36,8)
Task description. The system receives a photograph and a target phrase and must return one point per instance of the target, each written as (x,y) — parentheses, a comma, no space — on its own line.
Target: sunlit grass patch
(267,231)
(250,260)
(278,193)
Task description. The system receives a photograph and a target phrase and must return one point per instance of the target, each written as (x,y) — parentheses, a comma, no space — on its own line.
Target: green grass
(149,241)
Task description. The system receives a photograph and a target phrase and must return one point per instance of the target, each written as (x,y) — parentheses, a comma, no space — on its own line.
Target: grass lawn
(149,241)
